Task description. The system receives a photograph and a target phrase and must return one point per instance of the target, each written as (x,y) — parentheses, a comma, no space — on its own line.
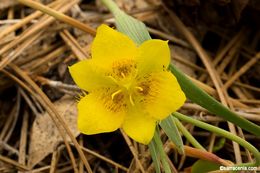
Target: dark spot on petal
(123,68)
(146,88)
(117,104)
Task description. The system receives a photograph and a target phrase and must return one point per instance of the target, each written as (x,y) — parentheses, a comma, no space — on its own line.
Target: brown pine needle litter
(40,39)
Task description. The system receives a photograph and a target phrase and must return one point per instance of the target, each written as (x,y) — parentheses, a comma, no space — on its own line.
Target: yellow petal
(98,113)
(88,76)
(153,55)
(139,126)
(161,94)
(110,45)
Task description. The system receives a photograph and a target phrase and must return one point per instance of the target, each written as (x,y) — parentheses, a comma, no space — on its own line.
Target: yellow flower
(129,86)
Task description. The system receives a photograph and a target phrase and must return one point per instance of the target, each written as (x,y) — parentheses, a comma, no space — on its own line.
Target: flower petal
(110,45)
(153,55)
(139,126)
(161,94)
(97,113)
(88,76)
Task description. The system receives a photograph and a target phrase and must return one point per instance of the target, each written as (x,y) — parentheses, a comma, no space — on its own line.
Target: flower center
(127,88)
(124,75)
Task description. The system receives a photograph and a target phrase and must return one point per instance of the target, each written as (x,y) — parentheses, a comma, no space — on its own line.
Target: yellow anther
(115,93)
(122,74)
(131,100)
(139,88)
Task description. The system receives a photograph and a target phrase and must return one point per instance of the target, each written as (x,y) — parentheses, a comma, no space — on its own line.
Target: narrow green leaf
(137,31)
(153,149)
(128,25)
(163,155)
(171,130)
(132,27)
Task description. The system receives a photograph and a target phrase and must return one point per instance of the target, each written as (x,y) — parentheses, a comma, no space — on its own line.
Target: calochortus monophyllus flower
(128,86)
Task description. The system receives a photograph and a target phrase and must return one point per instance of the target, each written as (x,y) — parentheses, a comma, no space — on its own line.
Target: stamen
(115,93)
(122,74)
(139,88)
(131,100)
(113,79)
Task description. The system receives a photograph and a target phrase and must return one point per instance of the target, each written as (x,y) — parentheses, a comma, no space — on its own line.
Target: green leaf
(162,154)
(203,166)
(171,130)
(128,25)
(132,27)
(153,149)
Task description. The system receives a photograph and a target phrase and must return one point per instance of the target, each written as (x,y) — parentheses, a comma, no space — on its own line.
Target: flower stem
(223,133)
(187,134)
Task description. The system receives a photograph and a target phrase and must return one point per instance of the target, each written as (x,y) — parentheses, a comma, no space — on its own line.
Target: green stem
(223,133)
(187,134)
(163,155)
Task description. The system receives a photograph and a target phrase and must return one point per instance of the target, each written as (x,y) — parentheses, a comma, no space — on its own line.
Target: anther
(122,74)
(139,88)
(115,93)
